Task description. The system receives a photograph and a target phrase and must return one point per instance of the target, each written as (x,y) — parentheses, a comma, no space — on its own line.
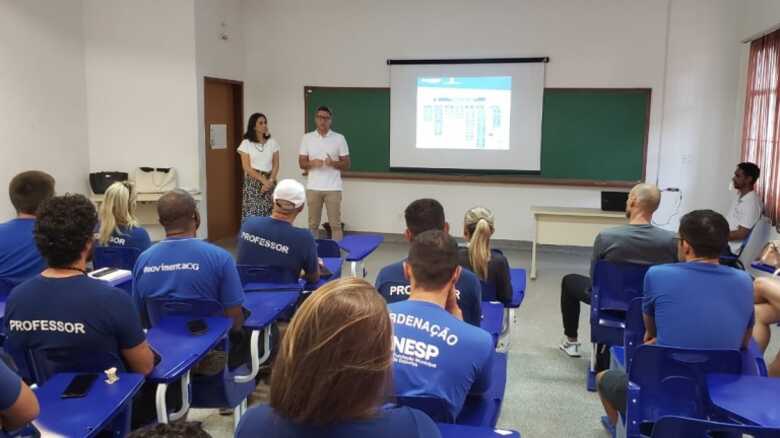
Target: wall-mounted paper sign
(218,138)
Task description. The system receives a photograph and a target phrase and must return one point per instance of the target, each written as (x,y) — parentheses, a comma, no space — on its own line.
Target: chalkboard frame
(488,178)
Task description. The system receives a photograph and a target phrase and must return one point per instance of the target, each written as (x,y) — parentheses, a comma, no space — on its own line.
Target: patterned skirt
(256,203)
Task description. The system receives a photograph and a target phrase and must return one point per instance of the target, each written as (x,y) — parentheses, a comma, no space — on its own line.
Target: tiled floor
(545,395)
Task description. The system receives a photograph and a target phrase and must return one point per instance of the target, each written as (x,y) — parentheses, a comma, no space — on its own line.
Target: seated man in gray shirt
(638,242)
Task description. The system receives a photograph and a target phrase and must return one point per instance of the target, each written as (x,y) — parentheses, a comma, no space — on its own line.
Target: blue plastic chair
(265,277)
(633,336)
(483,410)
(435,407)
(44,363)
(358,247)
(478,410)
(228,389)
(461,431)
(672,381)
(733,259)
(120,257)
(685,427)
(614,286)
(5,287)
(328,248)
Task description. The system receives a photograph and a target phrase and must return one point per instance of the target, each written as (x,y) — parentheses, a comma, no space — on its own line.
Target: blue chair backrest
(5,287)
(488,291)
(617,284)
(684,427)
(115,257)
(328,248)
(672,380)
(435,407)
(634,333)
(45,362)
(265,274)
(159,307)
(745,242)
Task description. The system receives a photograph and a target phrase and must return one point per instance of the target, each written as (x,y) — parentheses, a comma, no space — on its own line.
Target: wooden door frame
(237,86)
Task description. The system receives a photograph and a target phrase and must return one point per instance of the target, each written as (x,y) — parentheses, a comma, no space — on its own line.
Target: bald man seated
(638,242)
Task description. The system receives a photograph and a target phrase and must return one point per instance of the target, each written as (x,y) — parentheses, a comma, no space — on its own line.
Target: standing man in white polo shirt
(746,209)
(324,154)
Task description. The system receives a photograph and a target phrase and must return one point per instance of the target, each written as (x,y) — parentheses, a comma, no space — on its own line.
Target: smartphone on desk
(79,386)
(103,272)
(197,327)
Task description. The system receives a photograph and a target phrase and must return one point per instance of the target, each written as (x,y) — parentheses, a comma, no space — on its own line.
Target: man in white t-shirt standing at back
(746,209)
(324,154)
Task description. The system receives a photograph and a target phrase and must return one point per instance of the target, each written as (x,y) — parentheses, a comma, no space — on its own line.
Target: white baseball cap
(290,190)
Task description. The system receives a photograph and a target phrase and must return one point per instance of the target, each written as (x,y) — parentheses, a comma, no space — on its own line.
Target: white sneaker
(572,349)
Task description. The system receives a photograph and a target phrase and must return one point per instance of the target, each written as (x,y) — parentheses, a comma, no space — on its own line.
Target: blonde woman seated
(767,312)
(334,372)
(489,265)
(118,225)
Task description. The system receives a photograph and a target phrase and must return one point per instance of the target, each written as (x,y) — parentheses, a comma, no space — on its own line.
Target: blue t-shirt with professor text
(394,287)
(271,242)
(73,312)
(130,237)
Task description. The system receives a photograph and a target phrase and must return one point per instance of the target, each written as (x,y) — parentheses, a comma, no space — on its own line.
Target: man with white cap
(274,241)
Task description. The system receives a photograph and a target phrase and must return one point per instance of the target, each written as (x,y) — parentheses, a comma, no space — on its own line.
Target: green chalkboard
(362,115)
(589,136)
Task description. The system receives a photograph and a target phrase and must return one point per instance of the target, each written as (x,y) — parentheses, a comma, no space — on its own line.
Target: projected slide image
(464,112)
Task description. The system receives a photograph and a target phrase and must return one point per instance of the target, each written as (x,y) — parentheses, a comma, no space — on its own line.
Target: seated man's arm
(312,264)
(650,331)
(231,293)
(236,313)
(648,308)
(139,359)
(740,233)
(598,251)
(130,336)
(21,403)
(485,373)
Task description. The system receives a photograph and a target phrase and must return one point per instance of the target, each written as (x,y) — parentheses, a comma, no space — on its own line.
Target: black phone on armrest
(79,386)
(197,326)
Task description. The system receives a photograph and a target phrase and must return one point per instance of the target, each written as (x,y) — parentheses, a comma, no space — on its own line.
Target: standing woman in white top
(260,160)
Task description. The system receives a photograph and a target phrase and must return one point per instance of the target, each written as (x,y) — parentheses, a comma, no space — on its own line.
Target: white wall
(215,57)
(700,140)
(759,17)
(42,106)
(610,43)
(141,86)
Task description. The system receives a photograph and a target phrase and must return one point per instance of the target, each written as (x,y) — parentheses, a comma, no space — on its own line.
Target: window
(761,130)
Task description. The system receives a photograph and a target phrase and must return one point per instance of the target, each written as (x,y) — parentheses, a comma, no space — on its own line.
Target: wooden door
(223,105)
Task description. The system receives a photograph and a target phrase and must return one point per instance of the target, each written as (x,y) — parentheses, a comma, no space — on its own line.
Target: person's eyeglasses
(322,117)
